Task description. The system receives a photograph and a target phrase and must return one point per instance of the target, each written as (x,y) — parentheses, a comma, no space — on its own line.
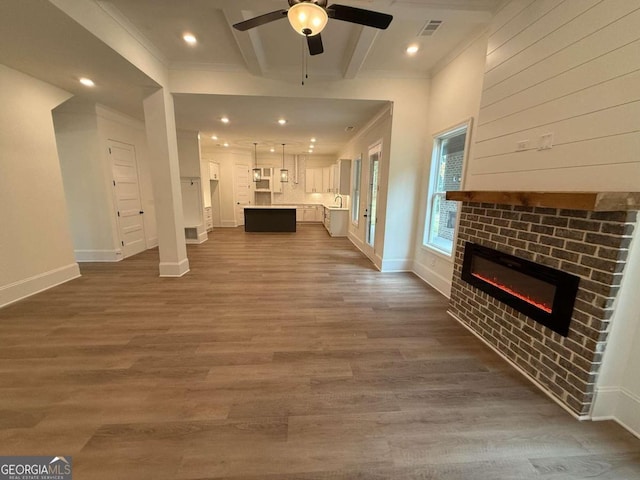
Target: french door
(371,210)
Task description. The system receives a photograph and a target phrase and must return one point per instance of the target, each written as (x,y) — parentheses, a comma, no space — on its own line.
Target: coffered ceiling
(275,50)
(40,40)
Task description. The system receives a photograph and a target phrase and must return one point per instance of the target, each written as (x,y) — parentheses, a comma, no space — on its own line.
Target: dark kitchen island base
(269,219)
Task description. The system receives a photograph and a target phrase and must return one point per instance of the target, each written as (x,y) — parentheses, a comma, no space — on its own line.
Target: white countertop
(335,207)
(270,207)
(330,207)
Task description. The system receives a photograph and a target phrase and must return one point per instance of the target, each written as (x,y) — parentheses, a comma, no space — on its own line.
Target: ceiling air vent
(430,28)
(349,129)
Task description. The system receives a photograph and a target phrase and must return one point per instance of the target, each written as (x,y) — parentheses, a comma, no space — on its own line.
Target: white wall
(189,154)
(191,167)
(36,250)
(83,133)
(569,68)
(618,384)
(456,87)
(85,186)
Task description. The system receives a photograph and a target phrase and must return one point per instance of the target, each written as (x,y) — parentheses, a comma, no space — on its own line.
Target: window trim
(431,194)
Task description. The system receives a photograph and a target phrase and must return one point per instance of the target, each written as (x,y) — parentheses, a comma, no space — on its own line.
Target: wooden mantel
(592,201)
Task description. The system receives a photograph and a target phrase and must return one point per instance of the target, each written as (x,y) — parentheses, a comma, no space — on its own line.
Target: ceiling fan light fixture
(307,18)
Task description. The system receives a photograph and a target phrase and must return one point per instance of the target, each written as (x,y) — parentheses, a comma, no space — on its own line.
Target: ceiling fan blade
(315,45)
(260,20)
(360,16)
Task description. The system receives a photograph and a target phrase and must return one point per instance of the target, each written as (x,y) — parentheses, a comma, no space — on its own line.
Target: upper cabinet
(333,179)
(342,179)
(327,180)
(214,171)
(314,180)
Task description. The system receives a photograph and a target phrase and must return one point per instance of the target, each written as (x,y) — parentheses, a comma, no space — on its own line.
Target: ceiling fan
(309,17)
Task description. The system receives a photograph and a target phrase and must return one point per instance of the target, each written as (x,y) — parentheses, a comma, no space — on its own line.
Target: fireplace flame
(495,283)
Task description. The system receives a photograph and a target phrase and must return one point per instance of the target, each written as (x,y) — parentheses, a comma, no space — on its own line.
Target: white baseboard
(202,237)
(397,265)
(605,402)
(620,405)
(152,243)
(174,269)
(360,246)
(21,289)
(441,284)
(98,255)
(228,224)
(524,373)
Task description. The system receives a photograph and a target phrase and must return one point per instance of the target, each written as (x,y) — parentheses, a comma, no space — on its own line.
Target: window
(355,190)
(446,175)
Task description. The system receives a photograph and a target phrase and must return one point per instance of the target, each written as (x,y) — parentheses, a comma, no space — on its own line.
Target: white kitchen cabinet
(336,221)
(310,213)
(314,180)
(214,171)
(327,180)
(342,179)
(208,218)
(276,184)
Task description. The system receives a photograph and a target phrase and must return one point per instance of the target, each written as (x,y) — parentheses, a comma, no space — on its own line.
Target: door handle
(141,212)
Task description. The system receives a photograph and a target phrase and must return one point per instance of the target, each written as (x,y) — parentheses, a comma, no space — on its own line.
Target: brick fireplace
(587,237)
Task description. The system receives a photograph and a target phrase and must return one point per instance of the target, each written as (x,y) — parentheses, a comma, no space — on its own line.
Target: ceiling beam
(249,42)
(360,51)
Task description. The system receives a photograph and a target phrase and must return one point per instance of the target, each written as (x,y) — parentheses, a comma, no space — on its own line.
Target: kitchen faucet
(340,198)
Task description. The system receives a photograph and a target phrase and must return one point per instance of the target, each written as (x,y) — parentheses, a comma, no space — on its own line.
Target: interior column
(165,175)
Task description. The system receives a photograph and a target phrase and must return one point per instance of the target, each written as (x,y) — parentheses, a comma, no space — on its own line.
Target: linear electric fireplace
(542,293)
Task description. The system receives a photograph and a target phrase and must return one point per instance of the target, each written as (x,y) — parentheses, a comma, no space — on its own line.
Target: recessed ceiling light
(313,140)
(412,49)
(214,137)
(225,144)
(224,119)
(282,121)
(190,38)
(272,150)
(310,151)
(312,146)
(87,82)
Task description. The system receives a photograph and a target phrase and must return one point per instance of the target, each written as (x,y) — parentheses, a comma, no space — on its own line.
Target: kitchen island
(270,218)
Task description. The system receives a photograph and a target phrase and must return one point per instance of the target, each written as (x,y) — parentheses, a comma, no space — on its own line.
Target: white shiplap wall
(570,68)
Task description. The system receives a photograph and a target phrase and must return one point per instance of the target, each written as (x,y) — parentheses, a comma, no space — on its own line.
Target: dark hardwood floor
(279,356)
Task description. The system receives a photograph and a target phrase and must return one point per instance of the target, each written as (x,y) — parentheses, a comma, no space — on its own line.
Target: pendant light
(257,173)
(284,173)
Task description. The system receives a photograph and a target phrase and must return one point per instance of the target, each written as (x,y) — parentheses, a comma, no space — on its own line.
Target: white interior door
(126,192)
(242,190)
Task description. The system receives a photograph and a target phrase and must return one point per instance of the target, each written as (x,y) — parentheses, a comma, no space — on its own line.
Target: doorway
(127,199)
(242,189)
